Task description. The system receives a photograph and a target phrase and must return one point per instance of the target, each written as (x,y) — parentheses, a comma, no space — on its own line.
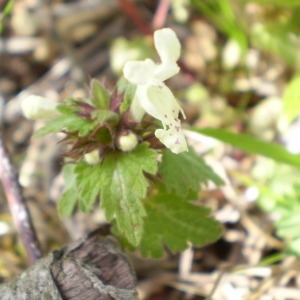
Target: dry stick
(17,205)
(161,13)
(130,9)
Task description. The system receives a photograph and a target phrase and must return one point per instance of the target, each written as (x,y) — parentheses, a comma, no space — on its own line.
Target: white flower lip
(152,95)
(167,45)
(38,108)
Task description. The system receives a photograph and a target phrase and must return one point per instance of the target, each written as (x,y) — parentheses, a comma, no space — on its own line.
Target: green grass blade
(252,145)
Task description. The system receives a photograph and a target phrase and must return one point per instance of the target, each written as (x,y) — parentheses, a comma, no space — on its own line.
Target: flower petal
(159,102)
(140,72)
(147,104)
(167,45)
(166,71)
(136,109)
(39,108)
(172,139)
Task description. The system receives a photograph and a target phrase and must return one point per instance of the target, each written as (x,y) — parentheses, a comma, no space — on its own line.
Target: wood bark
(88,269)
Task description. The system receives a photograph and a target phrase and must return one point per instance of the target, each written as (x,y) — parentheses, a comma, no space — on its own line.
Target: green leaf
(122,85)
(291,99)
(67,202)
(222,14)
(105,116)
(252,145)
(128,89)
(5,13)
(173,222)
(88,184)
(69,121)
(69,197)
(288,223)
(183,173)
(100,96)
(279,3)
(123,185)
(274,37)
(288,226)
(82,185)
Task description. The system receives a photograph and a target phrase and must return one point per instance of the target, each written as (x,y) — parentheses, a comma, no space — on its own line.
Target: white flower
(38,108)
(152,95)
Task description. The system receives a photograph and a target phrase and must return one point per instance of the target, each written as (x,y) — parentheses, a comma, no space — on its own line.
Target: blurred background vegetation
(240,67)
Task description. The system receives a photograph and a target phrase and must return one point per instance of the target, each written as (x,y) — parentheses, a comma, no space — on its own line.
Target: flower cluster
(153,96)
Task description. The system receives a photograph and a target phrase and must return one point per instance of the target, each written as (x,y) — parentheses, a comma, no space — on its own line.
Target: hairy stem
(17,205)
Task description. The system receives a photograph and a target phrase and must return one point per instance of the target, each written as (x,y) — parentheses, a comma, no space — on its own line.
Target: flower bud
(92,158)
(39,108)
(127,142)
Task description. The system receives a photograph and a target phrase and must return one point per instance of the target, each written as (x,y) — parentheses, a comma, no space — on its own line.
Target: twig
(160,16)
(216,285)
(17,205)
(130,9)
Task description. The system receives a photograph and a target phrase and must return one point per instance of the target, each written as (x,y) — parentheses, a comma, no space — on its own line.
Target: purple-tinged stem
(17,206)
(161,13)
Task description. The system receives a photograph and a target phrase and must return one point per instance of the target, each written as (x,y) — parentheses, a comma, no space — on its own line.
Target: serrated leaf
(69,197)
(123,241)
(123,185)
(182,173)
(88,184)
(67,202)
(173,222)
(69,121)
(100,96)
